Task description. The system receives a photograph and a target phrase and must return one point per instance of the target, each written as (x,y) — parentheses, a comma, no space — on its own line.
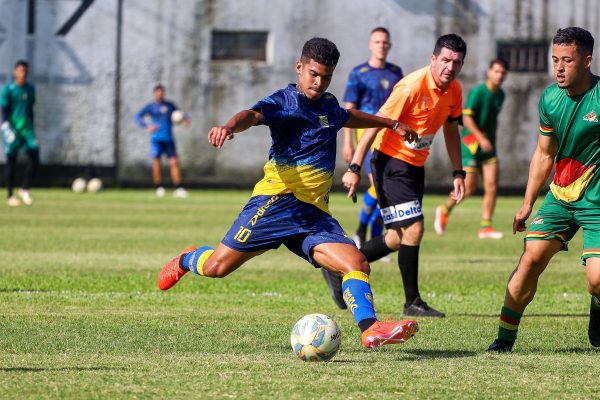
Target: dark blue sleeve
(271,109)
(139,116)
(352,93)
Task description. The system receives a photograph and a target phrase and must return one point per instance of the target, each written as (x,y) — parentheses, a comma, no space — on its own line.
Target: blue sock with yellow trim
(376,223)
(369,204)
(194,260)
(359,298)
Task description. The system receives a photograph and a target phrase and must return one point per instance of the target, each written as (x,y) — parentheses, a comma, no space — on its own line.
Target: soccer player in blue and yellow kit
(369,85)
(17,100)
(289,205)
(162,142)
(569,142)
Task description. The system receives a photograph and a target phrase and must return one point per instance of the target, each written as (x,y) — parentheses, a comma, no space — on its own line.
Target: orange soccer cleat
(389,332)
(172,272)
(441,220)
(489,233)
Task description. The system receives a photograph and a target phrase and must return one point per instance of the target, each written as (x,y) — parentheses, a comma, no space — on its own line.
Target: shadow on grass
(20,290)
(496,315)
(76,369)
(433,354)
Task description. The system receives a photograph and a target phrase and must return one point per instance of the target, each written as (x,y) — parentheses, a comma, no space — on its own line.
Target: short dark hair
(158,86)
(380,29)
(500,61)
(452,42)
(22,63)
(321,50)
(581,38)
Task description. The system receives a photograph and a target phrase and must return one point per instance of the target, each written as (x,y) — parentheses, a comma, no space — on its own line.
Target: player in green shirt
(569,139)
(16,100)
(480,117)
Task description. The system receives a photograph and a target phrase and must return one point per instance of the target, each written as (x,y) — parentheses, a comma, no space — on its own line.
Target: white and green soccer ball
(316,337)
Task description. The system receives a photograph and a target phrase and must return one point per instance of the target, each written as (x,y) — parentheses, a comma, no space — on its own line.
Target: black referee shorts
(399,188)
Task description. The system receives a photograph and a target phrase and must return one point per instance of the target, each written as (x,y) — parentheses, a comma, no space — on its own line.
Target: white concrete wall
(168,41)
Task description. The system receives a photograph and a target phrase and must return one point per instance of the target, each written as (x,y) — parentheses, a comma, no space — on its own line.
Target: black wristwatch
(459,172)
(354,168)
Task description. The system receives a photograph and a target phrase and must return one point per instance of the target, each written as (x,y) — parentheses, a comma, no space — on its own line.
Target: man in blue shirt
(369,85)
(161,138)
(289,205)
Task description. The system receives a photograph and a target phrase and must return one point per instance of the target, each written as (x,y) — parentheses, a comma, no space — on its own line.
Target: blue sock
(376,223)
(358,295)
(369,205)
(194,260)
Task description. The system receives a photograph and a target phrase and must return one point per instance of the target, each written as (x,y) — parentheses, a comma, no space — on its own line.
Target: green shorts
(555,220)
(15,140)
(473,162)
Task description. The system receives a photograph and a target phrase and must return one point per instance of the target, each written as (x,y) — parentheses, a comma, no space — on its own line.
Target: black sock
(375,248)
(408,262)
(366,323)
(362,230)
(9,172)
(32,166)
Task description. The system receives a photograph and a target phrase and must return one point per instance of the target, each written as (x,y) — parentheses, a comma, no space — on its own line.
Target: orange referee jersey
(417,102)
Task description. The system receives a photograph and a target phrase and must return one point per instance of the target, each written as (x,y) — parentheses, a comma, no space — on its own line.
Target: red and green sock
(509,324)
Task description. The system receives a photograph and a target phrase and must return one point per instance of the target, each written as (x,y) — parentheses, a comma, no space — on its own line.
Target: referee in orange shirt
(423,101)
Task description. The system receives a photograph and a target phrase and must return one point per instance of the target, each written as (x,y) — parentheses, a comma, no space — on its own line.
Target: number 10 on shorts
(242,234)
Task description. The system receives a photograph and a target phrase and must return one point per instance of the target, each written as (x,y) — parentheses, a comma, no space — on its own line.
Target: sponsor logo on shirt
(401,212)
(591,117)
(422,143)
(323,121)
(163,109)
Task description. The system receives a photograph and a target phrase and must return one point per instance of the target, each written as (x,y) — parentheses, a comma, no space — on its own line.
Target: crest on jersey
(323,121)
(163,109)
(24,97)
(591,117)
(384,83)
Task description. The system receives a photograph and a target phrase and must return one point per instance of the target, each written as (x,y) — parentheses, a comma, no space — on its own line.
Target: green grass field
(81,316)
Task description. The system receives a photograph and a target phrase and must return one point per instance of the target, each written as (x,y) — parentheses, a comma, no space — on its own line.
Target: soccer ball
(177,117)
(79,185)
(316,337)
(94,185)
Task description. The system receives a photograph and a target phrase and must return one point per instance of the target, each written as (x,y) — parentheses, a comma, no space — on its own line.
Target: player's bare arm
(452,139)
(238,123)
(350,179)
(480,135)
(348,144)
(540,168)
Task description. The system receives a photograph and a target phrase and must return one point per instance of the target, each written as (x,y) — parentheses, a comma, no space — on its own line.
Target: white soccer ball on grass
(94,185)
(79,185)
(316,337)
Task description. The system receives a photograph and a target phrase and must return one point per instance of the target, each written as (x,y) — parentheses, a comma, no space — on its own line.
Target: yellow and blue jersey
(303,149)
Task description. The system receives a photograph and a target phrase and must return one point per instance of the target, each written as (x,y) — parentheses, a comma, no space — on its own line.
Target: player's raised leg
(345,260)
(442,212)
(203,261)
